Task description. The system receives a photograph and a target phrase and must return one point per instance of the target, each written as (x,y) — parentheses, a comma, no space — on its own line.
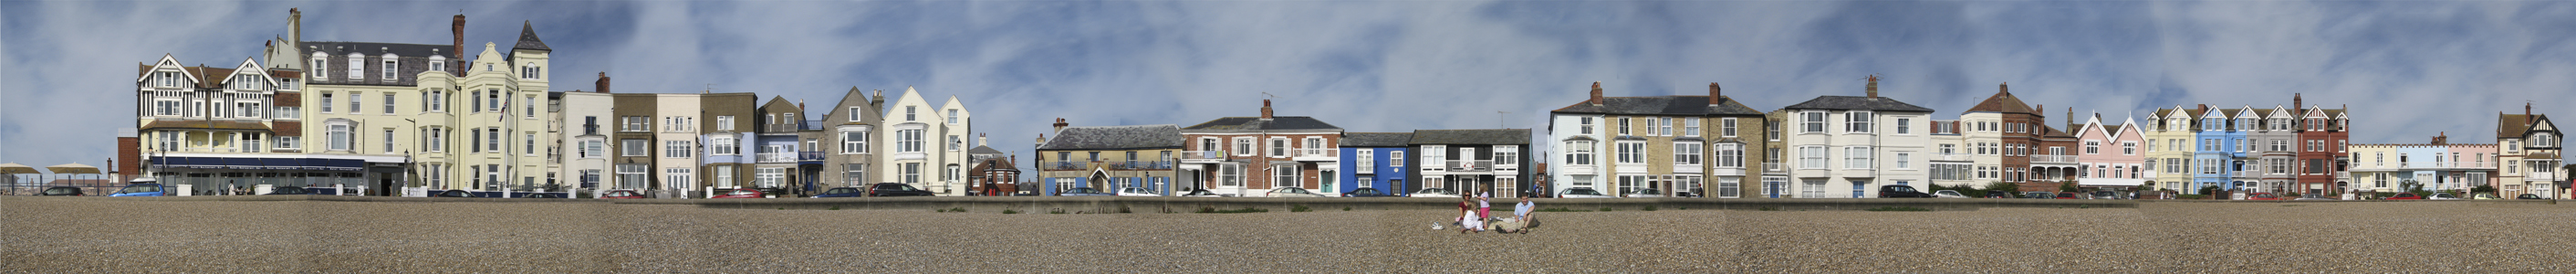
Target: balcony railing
(1470,165)
(1060,165)
(1950,157)
(1141,165)
(1319,153)
(1214,155)
(777,157)
(2052,158)
(2540,176)
(809,156)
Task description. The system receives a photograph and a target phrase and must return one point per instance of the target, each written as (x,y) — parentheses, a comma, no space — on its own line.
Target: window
(1725,128)
(1578,152)
(439,64)
(1434,156)
(1730,155)
(1666,125)
(724,123)
(357,66)
(326,102)
(1631,152)
(437,100)
(956,143)
(529,109)
(1814,120)
(1903,160)
(722,145)
(1856,157)
(952,116)
(2128,148)
(477,99)
(1772,127)
(318,62)
(492,100)
(593,149)
(354,106)
(854,174)
(389,141)
(1396,158)
(1623,126)
(1856,122)
(1507,155)
(1278,147)
(1286,176)
(908,140)
(1811,157)
(492,140)
(338,137)
(908,114)
(1904,126)
(911,173)
(249,109)
(854,142)
(1690,127)
(2280,144)
(2092,147)
(633,147)
(1686,153)
(1587,125)
(389,68)
(631,176)
(678,177)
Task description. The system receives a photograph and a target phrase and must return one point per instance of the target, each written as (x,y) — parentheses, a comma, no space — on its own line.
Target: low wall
(1112,204)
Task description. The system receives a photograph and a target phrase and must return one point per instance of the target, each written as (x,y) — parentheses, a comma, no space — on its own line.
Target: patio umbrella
(72,168)
(15,168)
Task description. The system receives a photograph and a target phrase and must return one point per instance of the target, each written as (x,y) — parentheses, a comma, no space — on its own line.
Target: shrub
(836,207)
(1899,208)
(1123,209)
(1299,208)
(1346,208)
(1605,209)
(960,209)
(1648,208)
(1007,211)
(1769,208)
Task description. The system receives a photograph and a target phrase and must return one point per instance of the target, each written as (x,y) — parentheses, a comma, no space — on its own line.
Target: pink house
(2110,157)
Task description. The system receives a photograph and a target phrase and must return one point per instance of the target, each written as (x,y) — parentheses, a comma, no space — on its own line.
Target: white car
(1203,193)
(2442,196)
(1291,192)
(1137,192)
(1581,192)
(1646,193)
(1947,194)
(1435,193)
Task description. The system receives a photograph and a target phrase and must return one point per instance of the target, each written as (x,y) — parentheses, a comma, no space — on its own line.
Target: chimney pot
(1873,86)
(1059,125)
(1713,94)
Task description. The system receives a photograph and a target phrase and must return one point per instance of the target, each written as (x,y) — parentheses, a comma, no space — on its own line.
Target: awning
(2109,182)
(73,168)
(261,163)
(15,168)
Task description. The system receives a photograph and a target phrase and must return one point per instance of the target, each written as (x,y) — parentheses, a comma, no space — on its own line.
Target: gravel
(95,234)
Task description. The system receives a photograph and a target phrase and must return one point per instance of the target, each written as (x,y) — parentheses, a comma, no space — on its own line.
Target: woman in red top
(1467,215)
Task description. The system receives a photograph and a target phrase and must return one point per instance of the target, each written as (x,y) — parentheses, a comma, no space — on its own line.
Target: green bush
(1007,211)
(1299,208)
(1605,209)
(1769,208)
(1346,208)
(836,207)
(1649,208)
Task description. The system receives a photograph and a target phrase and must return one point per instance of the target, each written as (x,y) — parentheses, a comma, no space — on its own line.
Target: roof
(1115,137)
(2003,101)
(983,150)
(374,49)
(1256,123)
(1376,139)
(1471,137)
(1857,103)
(1662,105)
(528,38)
(204,124)
(2515,125)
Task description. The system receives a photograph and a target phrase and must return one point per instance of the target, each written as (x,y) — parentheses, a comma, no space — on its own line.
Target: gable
(2541,123)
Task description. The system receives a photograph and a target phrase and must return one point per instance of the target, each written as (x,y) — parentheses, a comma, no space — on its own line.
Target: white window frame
(1278,147)
(1690,127)
(1812,157)
(854,145)
(1244,146)
(1813,121)
(1688,154)
(1726,127)
(722,145)
(1857,157)
(1579,153)
(1857,122)
(1630,153)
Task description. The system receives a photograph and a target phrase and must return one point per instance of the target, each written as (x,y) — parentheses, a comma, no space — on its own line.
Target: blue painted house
(1374,160)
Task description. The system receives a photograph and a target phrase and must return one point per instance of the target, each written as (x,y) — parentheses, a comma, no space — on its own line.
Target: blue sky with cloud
(2409,69)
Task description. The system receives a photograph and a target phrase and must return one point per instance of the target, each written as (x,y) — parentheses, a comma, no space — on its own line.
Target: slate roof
(1115,137)
(1256,123)
(984,150)
(1376,139)
(378,49)
(1471,137)
(1857,103)
(528,38)
(1662,105)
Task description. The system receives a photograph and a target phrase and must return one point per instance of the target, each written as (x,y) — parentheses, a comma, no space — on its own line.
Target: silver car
(1581,192)
(1291,192)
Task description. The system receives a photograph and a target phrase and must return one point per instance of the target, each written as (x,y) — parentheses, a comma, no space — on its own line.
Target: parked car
(2108,195)
(540,196)
(771,192)
(1580,192)
(840,192)
(2484,196)
(61,191)
(1435,193)
(2405,196)
(1945,193)
(2528,196)
(738,193)
(1201,193)
(2442,196)
(1290,192)
(1082,191)
(1646,193)
(2262,196)
(900,189)
(287,190)
(1367,192)
(2039,195)
(2069,196)
(1901,191)
(140,190)
(2315,197)
(1999,195)
(452,193)
(621,194)
(1138,192)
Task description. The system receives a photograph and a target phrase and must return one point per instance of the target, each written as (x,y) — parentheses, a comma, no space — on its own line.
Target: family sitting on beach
(1475,213)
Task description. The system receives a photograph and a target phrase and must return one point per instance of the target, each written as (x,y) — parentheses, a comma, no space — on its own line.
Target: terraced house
(1624,145)
(1252,155)
(1848,146)
(464,124)
(1473,160)
(2437,166)
(1375,160)
(2110,156)
(1109,158)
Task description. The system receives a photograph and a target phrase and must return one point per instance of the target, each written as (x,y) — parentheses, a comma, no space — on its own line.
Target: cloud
(2409,69)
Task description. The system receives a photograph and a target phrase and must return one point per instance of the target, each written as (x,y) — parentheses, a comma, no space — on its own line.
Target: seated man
(1520,220)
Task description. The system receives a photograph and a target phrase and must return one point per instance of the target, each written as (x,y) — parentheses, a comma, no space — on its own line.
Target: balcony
(1726,171)
(1060,165)
(1141,165)
(1202,156)
(809,156)
(2540,176)
(1317,154)
(1470,165)
(2060,159)
(1773,168)
(1950,157)
(776,157)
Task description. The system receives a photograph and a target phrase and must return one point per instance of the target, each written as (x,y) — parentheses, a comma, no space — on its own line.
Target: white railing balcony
(2245,173)
(1317,154)
(1950,157)
(777,157)
(2052,158)
(2540,176)
(1203,156)
(1470,165)
(1364,169)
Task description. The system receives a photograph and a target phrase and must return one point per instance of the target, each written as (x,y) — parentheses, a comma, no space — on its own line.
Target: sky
(2407,69)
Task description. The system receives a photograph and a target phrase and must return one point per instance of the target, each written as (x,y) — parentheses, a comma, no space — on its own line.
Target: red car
(2405,196)
(2262,196)
(621,194)
(2069,196)
(739,193)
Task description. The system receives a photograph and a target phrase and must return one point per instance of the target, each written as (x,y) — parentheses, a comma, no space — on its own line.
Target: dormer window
(389,67)
(438,63)
(319,61)
(357,66)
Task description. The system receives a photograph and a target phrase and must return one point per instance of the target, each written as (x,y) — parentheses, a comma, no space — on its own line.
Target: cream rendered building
(455,124)
(924,146)
(585,122)
(675,128)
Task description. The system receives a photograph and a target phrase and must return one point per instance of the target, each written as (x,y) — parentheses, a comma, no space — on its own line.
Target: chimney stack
(1265,109)
(1059,126)
(2296,102)
(1713,94)
(1873,86)
(877,100)
(603,82)
(2526,114)
(458,28)
(295,30)
(800,104)
(2004,88)
(1596,93)
(2070,115)
(979,140)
